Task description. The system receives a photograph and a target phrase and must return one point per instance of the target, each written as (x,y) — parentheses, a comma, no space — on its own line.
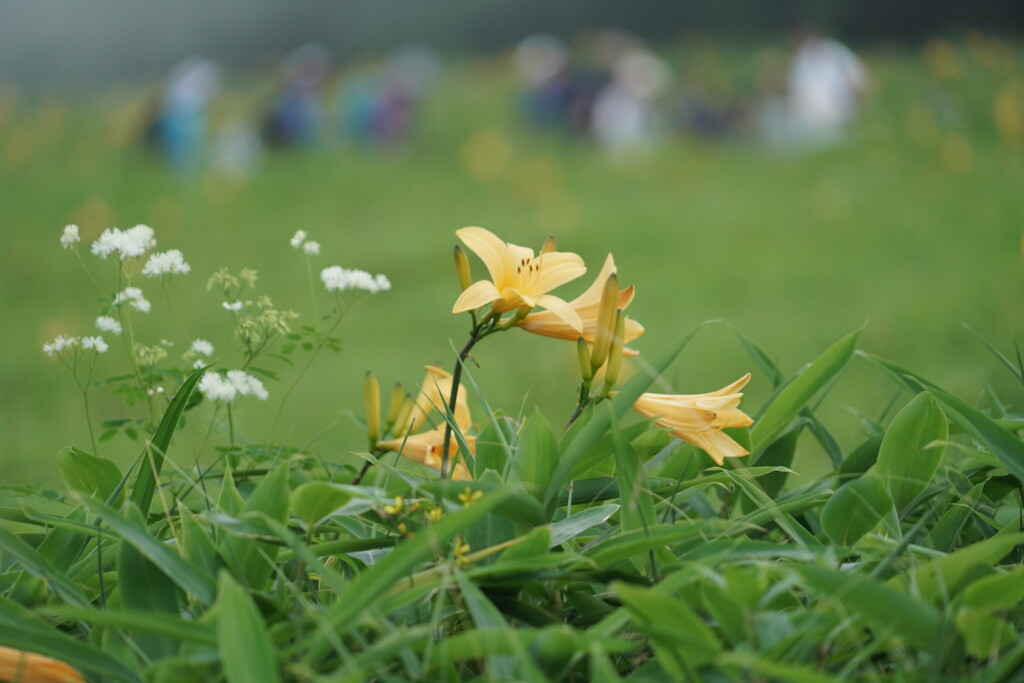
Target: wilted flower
(298,238)
(133,295)
(166,263)
(105,323)
(130,243)
(69,238)
(518,278)
(699,419)
(312,248)
(338,279)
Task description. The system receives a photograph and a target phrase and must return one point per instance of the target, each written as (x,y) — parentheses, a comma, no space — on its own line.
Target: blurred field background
(911,226)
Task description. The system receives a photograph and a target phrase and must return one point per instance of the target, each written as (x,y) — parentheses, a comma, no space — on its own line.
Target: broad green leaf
(22,629)
(144,588)
(397,565)
(245,648)
(29,559)
(912,449)
(944,534)
(152,459)
(625,545)
(671,624)
(174,627)
(577,449)
(996,592)
(493,449)
(887,609)
(189,577)
(313,501)
(571,527)
(89,474)
(535,542)
(196,546)
(536,455)
(862,458)
(854,510)
(986,631)
(786,404)
(779,454)
(62,545)
(486,616)
(250,559)
(943,577)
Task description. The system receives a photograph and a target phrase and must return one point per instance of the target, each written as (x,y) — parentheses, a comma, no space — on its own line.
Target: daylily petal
(476,295)
(491,249)
(592,295)
(563,310)
(555,268)
(425,448)
(29,667)
(512,298)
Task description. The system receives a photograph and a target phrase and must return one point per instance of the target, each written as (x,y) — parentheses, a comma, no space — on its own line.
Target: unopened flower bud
(402,420)
(611,373)
(462,268)
(605,321)
(549,245)
(583,355)
(371,397)
(394,405)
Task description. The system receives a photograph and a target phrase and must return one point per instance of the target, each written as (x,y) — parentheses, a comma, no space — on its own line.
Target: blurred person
(626,112)
(296,118)
(178,128)
(825,84)
(542,67)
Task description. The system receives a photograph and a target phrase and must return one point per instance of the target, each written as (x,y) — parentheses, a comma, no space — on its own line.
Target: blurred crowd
(606,86)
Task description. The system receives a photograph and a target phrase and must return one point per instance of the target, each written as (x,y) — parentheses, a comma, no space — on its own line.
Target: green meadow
(910,229)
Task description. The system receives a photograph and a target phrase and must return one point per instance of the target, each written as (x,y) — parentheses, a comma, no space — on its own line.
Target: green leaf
(912,449)
(1004,444)
(493,449)
(536,455)
(196,545)
(791,398)
(243,643)
(577,449)
(152,458)
(144,588)
(885,607)
(171,627)
(486,616)
(944,534)
(862,458)
(770,669)
(574,525)
(29,559)
(943,577)
(252,560)
(313,501)
(88,474)
(778,454)
(192,579)
(675,629)
(855,509)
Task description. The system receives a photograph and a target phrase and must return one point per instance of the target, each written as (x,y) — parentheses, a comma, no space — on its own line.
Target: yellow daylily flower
(700,418)
(29,667)
(587,306)
(518,278)
(425,448)
(434,394)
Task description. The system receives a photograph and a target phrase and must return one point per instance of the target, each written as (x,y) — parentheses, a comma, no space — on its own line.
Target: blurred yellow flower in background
(28,667)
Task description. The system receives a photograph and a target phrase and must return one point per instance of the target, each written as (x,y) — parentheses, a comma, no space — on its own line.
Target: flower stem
(475,335)
(312,293)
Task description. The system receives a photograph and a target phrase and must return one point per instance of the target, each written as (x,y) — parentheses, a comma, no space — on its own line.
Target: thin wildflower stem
(232,456)
(78,255)
(312,292)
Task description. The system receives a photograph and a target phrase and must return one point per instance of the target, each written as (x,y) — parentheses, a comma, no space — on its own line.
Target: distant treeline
(49,42)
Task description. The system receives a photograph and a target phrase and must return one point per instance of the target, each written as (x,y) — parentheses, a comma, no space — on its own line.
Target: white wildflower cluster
(127,244)
(133,296)
(105,323)
(69,238)
(338,279)
(299,241)
(63,342)
(166,263)
(226,388)
(236,305)
(202,347)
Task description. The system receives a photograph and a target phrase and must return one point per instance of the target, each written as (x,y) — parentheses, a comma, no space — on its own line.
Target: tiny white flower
(96,343)
(198,364)
(247,385)
(134,297)
(60,343)
(202,347)
(298,238)
(214,387)
(105,323)
(312,248)
(69,238)
(233,305)
(338,279)
(166,263)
